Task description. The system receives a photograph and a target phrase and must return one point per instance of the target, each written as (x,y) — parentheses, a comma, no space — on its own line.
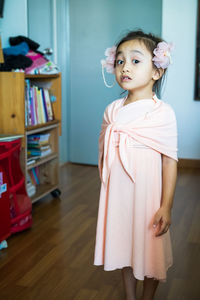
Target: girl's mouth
(126,78)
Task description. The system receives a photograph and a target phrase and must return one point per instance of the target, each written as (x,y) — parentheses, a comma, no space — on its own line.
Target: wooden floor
(54,259)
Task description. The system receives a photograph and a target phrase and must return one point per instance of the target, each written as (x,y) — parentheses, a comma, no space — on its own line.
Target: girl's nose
(126,68)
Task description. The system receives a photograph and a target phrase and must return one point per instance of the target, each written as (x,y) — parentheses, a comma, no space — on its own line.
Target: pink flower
(108,63)
(162,57)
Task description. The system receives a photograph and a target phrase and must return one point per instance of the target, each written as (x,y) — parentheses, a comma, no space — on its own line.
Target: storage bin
(19,202)
(5,221)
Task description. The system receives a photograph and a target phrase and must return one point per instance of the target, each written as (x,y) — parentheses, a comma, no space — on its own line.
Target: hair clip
(162,58)
(108,63)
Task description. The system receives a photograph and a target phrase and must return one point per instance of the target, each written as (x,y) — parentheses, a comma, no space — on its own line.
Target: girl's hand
(162,220)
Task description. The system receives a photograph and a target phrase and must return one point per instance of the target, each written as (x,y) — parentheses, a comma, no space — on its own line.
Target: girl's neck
(134,96)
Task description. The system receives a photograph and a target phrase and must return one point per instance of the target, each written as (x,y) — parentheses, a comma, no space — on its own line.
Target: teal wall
(39,20)
(94,26)
(14,21)
(180,26)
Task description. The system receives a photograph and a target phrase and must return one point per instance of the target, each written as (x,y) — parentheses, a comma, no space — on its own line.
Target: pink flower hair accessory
(108,63)
(162,58)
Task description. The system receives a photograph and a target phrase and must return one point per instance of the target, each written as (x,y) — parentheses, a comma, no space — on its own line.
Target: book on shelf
(31,183)
(35,157)
(38,145)
(31,189)
(40,153)
(30,161)
(39,139)
(33,176)
(38,106)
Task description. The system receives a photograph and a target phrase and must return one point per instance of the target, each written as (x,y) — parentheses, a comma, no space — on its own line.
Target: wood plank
(12,103)
(42,190)
(36,76)
(54,259)
(42,160)
(41,127)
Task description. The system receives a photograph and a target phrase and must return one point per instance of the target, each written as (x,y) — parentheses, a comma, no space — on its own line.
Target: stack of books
(38,106)
(38,146)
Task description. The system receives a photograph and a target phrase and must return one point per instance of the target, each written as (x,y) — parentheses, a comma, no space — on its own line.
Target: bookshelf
(12,121)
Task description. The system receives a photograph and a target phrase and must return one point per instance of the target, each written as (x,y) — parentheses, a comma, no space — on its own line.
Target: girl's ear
(157,73)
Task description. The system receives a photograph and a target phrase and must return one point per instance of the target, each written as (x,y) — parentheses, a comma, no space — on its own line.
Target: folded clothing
(48,68)
(34,55)
(22,49)
(23,55)
(15,62)
(38,61)
(20,38)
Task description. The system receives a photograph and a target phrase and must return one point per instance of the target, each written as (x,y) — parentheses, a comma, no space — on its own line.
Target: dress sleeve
(171,117)
(101,141)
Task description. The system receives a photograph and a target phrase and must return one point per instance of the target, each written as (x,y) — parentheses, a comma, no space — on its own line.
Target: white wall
(179,23)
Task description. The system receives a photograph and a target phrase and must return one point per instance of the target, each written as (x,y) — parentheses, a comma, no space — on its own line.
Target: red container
(5,221)
(20,203)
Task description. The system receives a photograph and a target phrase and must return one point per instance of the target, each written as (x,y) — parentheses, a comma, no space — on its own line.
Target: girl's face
(134,67)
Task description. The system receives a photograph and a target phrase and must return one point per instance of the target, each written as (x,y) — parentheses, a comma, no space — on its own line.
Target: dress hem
(137,276)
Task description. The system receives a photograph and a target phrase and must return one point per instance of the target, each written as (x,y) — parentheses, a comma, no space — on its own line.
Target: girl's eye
(119,62)
(136,61)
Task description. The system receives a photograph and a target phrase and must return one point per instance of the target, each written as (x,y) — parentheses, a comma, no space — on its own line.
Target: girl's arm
(162,218)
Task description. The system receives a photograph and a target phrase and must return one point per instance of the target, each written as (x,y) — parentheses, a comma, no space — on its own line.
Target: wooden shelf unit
(12,121)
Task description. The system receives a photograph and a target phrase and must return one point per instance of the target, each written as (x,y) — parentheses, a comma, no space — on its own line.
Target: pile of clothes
(23,55)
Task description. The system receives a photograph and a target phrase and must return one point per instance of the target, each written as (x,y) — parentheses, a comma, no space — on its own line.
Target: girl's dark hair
(150,41)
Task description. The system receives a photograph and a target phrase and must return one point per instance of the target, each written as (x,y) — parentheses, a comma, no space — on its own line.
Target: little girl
(137,166)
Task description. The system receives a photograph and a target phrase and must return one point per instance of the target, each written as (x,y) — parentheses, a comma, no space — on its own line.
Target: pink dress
(124,232)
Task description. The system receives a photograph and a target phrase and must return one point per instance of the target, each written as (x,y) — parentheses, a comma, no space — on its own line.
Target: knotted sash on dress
(156,129)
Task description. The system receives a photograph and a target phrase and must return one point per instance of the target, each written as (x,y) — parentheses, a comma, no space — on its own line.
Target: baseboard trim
(188,163)
(62,164)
